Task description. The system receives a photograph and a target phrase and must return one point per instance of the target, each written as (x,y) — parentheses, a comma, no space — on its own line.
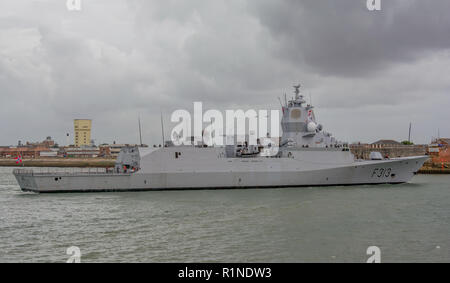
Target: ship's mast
(162,130)
(297,91)
(409,133)
(140,132)
(298,98)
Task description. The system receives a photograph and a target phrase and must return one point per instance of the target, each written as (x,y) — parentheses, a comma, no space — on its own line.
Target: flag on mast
(19,159)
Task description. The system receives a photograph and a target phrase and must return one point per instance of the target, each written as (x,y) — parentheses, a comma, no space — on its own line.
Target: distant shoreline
(428,170)
(108,163)
(60,162)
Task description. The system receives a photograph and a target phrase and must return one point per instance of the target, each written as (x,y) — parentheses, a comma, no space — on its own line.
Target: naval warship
(305,155)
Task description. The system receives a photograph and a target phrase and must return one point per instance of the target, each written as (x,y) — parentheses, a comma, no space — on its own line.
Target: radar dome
(311,127)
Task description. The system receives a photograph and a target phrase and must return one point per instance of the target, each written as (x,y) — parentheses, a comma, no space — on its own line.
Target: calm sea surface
(408,222)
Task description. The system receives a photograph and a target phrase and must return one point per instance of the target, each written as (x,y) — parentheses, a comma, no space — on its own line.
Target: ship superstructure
(300,127)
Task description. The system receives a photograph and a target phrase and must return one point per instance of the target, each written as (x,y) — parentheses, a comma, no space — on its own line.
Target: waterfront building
(388,148)
(80,152)
(439,150)
(30,149)
(82,130)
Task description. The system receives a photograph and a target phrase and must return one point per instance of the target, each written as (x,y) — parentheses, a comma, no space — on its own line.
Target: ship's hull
(391,171)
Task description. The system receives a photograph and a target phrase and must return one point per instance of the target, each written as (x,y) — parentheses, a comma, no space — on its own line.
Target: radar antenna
(140,132)
(162,130)
(297,90)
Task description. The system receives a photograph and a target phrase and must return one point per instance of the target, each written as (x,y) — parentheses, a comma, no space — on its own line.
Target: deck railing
(66,171)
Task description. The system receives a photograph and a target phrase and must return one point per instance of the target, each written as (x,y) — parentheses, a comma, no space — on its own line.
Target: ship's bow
(410,166)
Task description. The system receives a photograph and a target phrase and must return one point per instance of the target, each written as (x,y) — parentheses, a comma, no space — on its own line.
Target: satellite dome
(311,127)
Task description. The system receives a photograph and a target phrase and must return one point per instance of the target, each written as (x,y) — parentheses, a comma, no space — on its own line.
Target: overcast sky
(369,73)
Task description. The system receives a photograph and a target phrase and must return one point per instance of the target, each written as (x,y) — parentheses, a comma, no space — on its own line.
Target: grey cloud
(343,38)
(119,59)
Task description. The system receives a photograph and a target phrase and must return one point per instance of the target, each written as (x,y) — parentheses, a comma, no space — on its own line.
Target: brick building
(28,150)
(387,148)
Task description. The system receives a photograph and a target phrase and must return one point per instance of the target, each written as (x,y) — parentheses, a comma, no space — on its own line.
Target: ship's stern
(26,180)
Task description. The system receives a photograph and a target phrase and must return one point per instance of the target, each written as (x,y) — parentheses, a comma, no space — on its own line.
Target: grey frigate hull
(229,174)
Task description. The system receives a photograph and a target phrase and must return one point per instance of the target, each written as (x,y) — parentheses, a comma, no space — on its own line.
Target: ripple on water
(330,224)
